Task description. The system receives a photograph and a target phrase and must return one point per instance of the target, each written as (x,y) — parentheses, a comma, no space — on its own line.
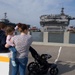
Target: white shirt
(8,40)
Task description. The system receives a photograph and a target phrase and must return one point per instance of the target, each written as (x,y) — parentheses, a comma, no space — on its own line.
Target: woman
(22,43)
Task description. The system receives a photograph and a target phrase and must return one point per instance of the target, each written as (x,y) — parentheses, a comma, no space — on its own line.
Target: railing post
(66,37)
(45,37)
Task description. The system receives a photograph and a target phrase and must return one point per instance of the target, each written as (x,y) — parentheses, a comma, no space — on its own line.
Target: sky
(29,11)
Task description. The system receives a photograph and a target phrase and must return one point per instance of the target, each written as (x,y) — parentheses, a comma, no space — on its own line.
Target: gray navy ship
(55,22)
(6,21)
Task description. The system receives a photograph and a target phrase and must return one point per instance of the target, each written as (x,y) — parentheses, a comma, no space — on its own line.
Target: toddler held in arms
(10,33)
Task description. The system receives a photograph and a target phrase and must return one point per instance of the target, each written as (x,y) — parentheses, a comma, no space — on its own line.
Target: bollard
(4,64)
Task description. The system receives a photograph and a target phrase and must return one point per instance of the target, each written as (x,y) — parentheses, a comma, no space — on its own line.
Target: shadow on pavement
(65,67)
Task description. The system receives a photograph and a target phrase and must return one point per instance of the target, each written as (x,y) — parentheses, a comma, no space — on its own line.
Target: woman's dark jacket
(3,41)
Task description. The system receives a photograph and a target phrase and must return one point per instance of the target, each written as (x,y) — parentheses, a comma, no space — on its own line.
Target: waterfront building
(34,29)
(71,29)
(55,22)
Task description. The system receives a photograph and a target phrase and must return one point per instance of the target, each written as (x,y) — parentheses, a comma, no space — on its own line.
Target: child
(10,33)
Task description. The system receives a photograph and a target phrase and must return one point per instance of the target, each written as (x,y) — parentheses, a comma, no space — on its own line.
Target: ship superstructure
(55,22)
(6,21)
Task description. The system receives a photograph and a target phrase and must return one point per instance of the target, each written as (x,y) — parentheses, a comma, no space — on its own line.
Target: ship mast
(5,15)
(62,11)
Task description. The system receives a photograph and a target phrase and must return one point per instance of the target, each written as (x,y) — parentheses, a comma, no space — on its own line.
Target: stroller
(41,66)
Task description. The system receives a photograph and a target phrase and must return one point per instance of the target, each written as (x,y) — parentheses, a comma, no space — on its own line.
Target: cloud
(29,11)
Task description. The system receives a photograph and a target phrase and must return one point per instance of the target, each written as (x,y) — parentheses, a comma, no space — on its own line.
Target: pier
(66,60)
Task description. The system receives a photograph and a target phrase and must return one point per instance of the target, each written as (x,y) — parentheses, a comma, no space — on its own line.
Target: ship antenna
(5,15)
(62,11)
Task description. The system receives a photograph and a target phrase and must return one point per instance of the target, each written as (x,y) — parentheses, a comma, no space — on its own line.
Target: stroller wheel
(54,71)
(30,66)
(33,68)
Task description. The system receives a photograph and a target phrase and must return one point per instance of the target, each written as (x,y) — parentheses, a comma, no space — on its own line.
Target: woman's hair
(19,24)
(2,25)
(9,29)
(22,27)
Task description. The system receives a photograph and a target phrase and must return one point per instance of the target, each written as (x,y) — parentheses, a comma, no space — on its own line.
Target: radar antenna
(62,11)
(5,15)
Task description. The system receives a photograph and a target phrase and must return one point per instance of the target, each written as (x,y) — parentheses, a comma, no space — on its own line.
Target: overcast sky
(29,11)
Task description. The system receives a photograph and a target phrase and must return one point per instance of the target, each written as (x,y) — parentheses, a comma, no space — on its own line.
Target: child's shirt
(8,40)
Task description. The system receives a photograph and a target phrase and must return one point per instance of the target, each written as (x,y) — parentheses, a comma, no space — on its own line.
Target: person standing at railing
(3,38)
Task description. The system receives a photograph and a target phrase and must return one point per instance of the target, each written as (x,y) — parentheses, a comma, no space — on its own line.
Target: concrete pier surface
(66,59)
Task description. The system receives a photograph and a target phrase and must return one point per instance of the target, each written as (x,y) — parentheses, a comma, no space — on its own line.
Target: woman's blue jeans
(20,67)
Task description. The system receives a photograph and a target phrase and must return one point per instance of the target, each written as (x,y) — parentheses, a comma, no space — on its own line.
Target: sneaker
(13,63)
